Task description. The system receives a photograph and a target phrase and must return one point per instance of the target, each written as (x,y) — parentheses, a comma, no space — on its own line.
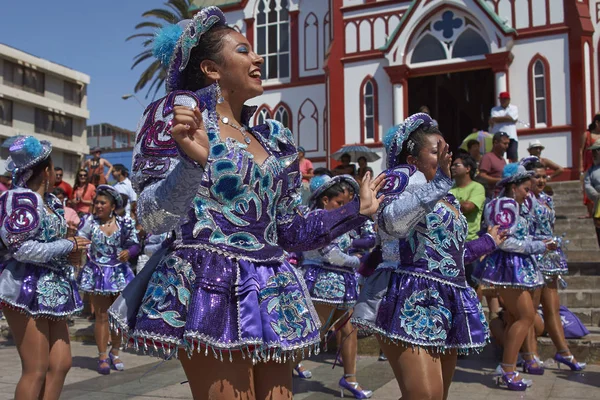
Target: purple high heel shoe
(306,374)
(116,362)
(104,370)
(352,387)
(568,361)
(530,368)
(508,380)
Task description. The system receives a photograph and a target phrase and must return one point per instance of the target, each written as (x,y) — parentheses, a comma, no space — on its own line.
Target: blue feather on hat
(165,41)
(389,136)
(510,170)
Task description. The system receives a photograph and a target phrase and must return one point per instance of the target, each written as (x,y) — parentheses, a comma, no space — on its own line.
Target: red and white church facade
(343,71)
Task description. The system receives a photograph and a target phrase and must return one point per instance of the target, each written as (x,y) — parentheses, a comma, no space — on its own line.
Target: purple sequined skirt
(509,270)
(331,285)
(199,299)
(39,291)
(419,311)
(105,280)
(552,263)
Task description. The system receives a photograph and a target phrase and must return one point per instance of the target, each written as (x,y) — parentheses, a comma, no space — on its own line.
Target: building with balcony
(45,100)
(116,143)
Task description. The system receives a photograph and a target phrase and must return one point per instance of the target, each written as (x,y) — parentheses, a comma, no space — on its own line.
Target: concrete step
(585,298)
(565,185)
(570,210)
(580,243)
(587,316)
(574,255)
(586,349)
(583,268)
(582,282)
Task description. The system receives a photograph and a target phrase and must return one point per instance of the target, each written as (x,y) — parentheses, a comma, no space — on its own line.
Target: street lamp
(130,95)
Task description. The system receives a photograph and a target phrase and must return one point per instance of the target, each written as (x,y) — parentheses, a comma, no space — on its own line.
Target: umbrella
(485,139)
(355,152)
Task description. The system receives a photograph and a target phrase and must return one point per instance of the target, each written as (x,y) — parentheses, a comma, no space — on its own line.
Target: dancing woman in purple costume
(330,275)
(107,272)
(512,269)
(418,301)
(37,284)
(538,209)
(223,296)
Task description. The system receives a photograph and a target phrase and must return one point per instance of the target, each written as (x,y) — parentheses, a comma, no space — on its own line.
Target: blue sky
(88,36)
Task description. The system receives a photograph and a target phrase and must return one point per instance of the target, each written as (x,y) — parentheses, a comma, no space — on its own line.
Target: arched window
(428,49)
(262,116)
(311,42)
(283,115)
(369,111)
(273,38)
(308,126)
(469,43)
(539,92)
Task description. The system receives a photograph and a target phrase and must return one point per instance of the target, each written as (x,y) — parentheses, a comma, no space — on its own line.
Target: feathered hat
(513,173)
(25,153)
(397,135)
(319,184)
(174,43)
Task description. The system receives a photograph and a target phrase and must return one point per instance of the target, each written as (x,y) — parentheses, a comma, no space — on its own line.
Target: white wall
(555,50)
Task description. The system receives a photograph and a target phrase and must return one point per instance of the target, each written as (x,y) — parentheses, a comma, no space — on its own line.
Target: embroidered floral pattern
(330,286)
(424,317)
(167,286)
(53,290)
(292,320)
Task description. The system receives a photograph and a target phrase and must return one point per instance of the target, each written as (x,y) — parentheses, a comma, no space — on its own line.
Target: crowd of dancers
(386,255)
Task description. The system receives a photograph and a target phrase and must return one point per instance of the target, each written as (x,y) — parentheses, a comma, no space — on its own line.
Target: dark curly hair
(209,48)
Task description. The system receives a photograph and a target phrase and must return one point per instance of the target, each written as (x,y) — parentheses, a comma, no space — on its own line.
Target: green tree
(155,74)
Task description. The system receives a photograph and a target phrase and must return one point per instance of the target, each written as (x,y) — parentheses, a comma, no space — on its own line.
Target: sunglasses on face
(83,176)
(59,175)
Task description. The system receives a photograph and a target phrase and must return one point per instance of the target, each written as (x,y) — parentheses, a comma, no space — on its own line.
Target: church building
(342,72)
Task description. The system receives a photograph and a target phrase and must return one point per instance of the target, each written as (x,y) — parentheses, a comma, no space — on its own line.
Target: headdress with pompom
(319,184)
(397,135)
(513,173)
(174,43)
(527,161)
(25,153)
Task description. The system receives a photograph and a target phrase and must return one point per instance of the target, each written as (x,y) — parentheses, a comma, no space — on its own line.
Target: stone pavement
(148,378)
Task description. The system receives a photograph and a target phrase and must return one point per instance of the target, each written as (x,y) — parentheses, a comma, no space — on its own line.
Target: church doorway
(459,101)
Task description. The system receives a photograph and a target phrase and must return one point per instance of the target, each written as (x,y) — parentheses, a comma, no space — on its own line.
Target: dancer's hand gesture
(444,158)
(369,202)
(189,133)
(496,234)
(550,245)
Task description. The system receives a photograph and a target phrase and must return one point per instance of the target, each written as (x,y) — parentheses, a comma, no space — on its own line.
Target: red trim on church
(531,89)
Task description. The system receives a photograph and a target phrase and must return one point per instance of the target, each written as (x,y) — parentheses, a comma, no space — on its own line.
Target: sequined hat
(513,173)
(319,184)
(174,43)
(527,161)
(396,136)
(24,154)
(113,193)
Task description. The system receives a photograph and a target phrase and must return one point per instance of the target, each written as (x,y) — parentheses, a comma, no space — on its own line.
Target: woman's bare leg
(60,359)
(530,350)
(519,304)
(212,379)
(551,307)
(419,374)
(32,339)
(101,329)
(273,381)
(448,366)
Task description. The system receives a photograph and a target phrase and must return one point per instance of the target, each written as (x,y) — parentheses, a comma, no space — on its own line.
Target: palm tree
(175,11)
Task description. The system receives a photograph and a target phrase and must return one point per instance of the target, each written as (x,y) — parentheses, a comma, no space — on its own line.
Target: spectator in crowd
(471,196)
(306,169)
(492,163)
(95,167)
(83,193)
(322,171)
(586,160)
(123,186)
(473,148)
(5,182)
(59,182)
(535,149)
(504,119)
(345,168)
(363,168)
(71,216)
(592,186)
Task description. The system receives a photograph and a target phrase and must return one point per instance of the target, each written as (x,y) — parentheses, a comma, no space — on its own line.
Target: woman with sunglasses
(84,192)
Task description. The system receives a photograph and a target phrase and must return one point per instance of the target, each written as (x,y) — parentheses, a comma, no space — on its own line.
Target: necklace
(242,129)
(107,223)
